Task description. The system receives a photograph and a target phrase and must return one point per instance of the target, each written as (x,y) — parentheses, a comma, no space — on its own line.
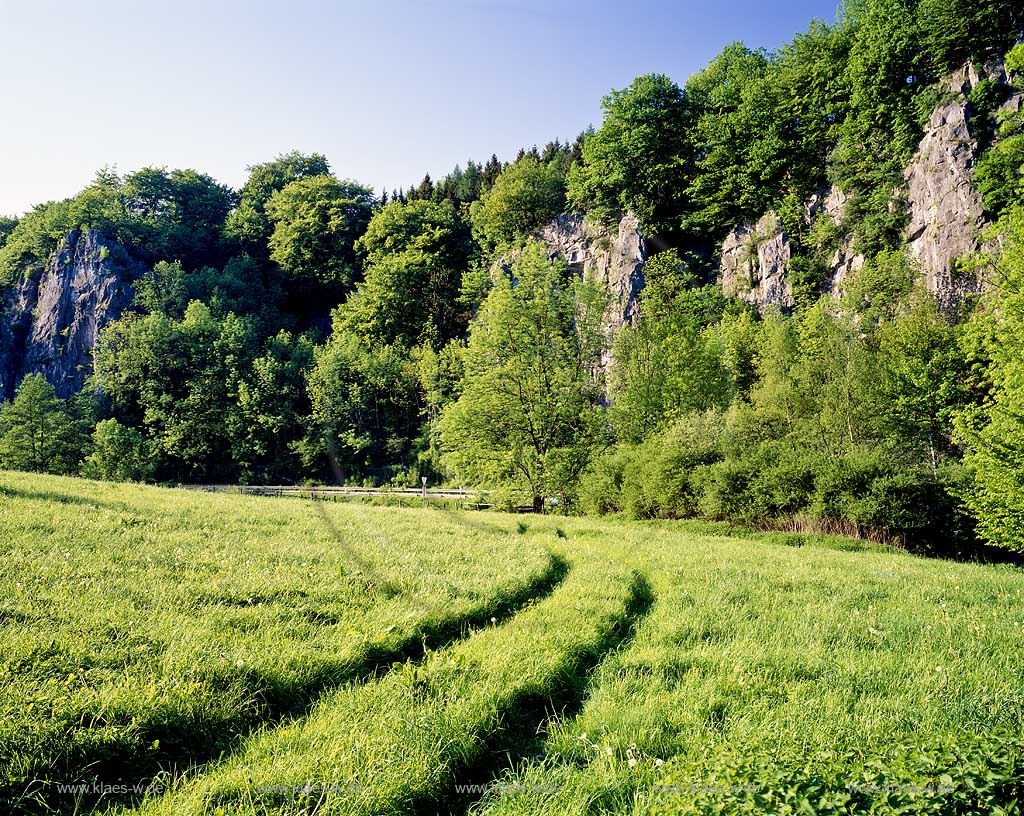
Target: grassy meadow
(215,654)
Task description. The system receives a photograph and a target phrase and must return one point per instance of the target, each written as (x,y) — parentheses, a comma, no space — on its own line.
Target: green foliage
(994,431)
(922,376)
(950,774)
(528,413)
(156,214)
(661,479)
(461,186)
(526,195)
(741,158)
(673,361)
(884,72)
(957,31)
(119,454)
(317,221)
(636,161)
(417,225)
(248,223)
(7,225)
(999,171)
(177,379)
(1015,59)
(839,419)
(415,253)
(267,428)
(365,409)
(39,431)
(877,290)
(406,298)
(441,374)
(177,215)
(240,287)
(985,97)
(163,289)
(806,275)
(38,233)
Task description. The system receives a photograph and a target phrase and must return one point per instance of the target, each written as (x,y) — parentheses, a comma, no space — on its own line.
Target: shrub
(119,454)
(660,481)
(600,488)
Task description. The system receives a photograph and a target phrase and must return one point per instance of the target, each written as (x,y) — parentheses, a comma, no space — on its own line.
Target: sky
(387,89)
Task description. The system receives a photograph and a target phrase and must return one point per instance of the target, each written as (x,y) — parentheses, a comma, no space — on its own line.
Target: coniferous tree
(490,173)
(39,431)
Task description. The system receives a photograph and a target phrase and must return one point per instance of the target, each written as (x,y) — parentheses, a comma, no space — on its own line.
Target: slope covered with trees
(304,328)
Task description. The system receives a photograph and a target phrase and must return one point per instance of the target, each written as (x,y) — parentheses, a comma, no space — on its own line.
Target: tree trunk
(538,504)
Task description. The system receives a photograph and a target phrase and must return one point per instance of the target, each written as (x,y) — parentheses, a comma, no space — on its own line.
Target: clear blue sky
(387,89)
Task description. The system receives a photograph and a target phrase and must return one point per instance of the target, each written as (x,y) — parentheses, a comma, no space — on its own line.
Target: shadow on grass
(61,498)
(525,721)
(174,741)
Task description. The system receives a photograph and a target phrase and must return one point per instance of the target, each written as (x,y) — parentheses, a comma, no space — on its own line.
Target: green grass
(630,668)
(142,628)
(780,654)
(399,743)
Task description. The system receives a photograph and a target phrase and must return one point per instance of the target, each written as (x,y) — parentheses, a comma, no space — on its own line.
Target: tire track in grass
(523,732)
(198,742)
(400,744)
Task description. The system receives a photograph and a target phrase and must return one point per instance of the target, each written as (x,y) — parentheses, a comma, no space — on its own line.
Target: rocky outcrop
(754,261)
(613,257)
(945,207)
(844,261)
(755,258)
(946,210)
(946,214)
(53,315)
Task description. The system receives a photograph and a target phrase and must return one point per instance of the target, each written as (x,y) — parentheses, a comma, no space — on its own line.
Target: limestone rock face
(612,257)
(753,264)
(755,258)
(831,203)
(945,211)
(53,316)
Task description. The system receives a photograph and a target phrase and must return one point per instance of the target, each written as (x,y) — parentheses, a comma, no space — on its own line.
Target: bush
(600,488)
(660,480)
(684,473)
(724,491)
(119,454)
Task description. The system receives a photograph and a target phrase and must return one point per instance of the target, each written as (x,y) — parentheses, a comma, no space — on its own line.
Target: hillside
(783,293)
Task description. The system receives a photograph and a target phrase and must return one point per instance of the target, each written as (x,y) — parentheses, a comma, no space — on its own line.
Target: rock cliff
(945,211)
(754,261)
(613,257)
(52,316)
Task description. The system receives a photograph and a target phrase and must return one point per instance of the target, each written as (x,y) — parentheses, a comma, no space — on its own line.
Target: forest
(308,329)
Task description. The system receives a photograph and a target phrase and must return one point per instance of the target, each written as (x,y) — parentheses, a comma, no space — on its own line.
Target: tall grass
(398,744)
(342,659)
(144,628)
(760,655)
